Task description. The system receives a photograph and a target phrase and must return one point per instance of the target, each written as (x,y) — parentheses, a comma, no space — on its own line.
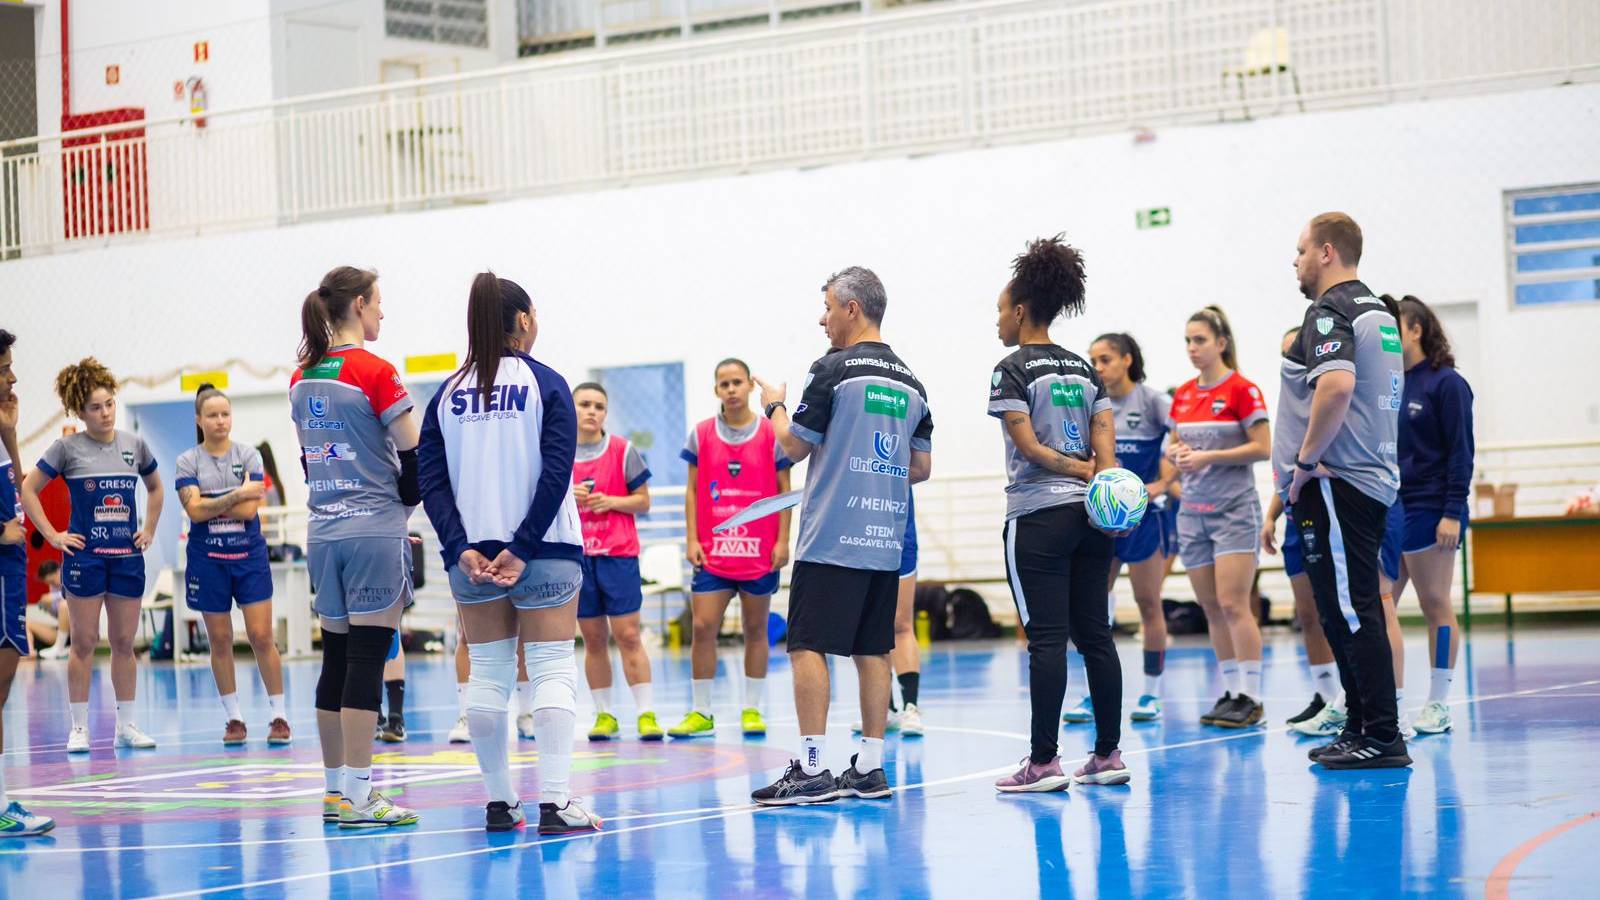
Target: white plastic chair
(661,568)
(1266,53)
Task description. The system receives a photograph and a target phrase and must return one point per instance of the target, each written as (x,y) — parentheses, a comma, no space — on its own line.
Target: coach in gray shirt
(1338,404)
(863,420)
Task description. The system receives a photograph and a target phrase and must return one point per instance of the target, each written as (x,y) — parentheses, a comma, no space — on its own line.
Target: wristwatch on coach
(1304,466)
(771,407)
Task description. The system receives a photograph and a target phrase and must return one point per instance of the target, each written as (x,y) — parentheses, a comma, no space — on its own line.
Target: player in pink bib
(734,460)
(609,482)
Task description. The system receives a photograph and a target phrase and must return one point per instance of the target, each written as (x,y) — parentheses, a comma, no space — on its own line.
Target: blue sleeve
(558,444)
(433,478)
(1454,409)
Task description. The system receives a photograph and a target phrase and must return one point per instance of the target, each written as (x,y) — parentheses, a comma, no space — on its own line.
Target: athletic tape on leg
(366,653)
(494,670)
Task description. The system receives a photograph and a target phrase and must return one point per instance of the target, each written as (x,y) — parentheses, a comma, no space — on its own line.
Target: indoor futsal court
(799,449)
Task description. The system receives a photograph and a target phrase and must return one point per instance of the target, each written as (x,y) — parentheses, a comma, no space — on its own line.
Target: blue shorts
(1147,540)
(545,584)
(14,612)
(1394,528)
(86,575)
(1293,563)
(215,583)
(1421,529)
(707,582)
(908,548)
(611,587)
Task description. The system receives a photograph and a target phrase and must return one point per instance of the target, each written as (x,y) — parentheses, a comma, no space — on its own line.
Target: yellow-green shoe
(751,723)
(649,728)
(605,728)
(695,724)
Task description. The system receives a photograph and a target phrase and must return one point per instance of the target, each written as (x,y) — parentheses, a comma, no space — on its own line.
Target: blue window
(1554,245)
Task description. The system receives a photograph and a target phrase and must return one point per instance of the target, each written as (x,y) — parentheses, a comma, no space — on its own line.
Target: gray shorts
(1204,536)
(545,583)
(358,576)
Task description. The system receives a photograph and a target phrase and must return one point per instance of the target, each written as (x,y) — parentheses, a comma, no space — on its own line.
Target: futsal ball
(1117,500)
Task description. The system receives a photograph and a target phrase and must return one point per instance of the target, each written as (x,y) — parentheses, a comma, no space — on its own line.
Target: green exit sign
(1155,217)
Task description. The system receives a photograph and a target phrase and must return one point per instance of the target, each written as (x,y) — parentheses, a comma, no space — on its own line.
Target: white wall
(704,269)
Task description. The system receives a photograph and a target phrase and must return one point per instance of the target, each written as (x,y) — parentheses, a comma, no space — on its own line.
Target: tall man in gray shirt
(1339,403)
(863,420)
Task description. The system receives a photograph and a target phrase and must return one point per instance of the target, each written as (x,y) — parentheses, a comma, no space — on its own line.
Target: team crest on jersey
(127,457)
(1325,325)
(1134,418)
(994,380)
(238,470)
(735,467)
(1218,405)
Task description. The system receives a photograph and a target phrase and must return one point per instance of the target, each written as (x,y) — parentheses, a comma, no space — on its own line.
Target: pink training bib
(607,533)
(729,478)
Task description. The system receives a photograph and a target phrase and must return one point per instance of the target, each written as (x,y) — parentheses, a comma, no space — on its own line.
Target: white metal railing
(917,79)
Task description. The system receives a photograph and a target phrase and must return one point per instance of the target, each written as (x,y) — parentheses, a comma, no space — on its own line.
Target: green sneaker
(695,724)
(649,729)
(751,723)
(605,727)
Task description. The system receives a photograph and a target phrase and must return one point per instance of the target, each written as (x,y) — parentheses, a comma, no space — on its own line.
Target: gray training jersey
(1141,419)
(865,413)
(102,482)
(1060,393)
(215,476)
(342,407)
(1347,330)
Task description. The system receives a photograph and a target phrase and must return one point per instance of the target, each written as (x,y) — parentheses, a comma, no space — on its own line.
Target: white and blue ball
(1117,500)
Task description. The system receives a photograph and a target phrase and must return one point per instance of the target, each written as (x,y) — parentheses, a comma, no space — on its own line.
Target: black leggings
(1058,566)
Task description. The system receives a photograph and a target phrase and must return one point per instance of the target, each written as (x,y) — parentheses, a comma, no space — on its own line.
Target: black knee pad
(363,680)
(330,684)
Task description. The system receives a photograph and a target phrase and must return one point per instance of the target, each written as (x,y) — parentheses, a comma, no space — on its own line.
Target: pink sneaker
(1103,770)
(1035,778)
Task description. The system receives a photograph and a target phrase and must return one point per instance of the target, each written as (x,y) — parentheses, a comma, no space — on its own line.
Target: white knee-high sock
(1230,675)
(494,669)
(553,672)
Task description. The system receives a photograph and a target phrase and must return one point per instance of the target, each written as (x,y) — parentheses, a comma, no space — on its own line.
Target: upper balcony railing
(918,79)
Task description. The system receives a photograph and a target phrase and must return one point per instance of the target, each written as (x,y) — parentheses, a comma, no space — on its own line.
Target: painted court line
(752,809)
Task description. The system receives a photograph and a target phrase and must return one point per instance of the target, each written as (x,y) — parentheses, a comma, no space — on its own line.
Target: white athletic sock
(870,756)
(1250,678)
(124,713)
(1152,685)
(230,706)
(1439,685)
(1325,680)
(701,689)
(602,699)
(1230,675)
(643,696)
(1400,700)
(488,730)
(275,703)
(1338,702)
(358,785)
(524,698)
(552,728)
(80,714)
(3,801)
(461,698)
(333,779)
(755,693)
(812,746)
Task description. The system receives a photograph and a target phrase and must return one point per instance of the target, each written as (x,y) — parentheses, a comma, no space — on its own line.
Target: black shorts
(842,611)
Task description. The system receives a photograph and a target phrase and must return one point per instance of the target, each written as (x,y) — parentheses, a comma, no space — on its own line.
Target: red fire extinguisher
(197,100)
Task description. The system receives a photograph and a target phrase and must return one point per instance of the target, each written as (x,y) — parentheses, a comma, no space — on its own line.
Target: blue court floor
(1506,806)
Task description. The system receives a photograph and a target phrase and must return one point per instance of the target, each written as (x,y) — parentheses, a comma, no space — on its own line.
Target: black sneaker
(1242,711)
(872,786)
(1367,754)
(502,816)
(1343,742)
(1210,718)
(796,788)
(1312,708)
(393,731)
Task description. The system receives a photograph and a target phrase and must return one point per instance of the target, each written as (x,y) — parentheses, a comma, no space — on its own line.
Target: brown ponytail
(328,305)
(492,308)
(1215,319)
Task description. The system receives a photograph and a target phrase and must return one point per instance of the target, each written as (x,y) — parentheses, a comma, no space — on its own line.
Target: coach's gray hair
(862,286)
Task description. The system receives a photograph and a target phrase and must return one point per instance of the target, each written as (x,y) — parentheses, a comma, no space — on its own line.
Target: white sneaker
(911,721)
(525,726)
(460,734)
(890,725)
(1406,731)
(58,650)
(566,819)
(1435,718)
(1328,721)
(130,736)
(78,740)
